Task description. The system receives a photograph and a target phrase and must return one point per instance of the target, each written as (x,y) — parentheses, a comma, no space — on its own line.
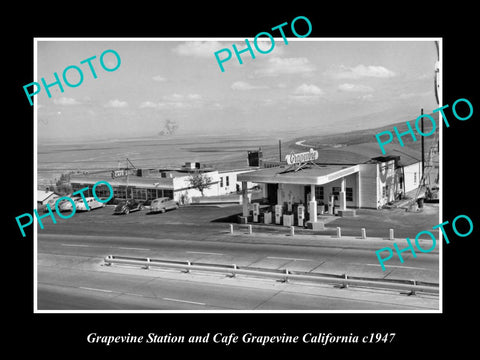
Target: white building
(327,188)
(46,197)
(149,184)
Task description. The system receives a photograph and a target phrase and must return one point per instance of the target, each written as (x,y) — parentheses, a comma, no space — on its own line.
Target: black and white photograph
(218,179)
(216,185)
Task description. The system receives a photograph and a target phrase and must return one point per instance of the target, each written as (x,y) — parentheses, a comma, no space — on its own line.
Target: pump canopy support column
(313,222)
(342,195)
(245,199)
(313,205)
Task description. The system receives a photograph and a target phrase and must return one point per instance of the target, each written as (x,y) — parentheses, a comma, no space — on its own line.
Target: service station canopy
(308,175)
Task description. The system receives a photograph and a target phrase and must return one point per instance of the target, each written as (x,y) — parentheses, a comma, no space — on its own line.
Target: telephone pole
(423,151)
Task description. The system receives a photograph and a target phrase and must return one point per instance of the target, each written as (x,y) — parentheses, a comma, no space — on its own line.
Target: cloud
(311,90)
(355,88)
(148,104)
(175,101)
(242,85)
(116,104)
(411,95)
(278,66)
(180,97)
(361,71)
(159,78)
(65,101)
(202,49)
(366,97)
(306,93)
(194,97)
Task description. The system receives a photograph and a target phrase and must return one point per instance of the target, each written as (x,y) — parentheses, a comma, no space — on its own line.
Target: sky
(308,86)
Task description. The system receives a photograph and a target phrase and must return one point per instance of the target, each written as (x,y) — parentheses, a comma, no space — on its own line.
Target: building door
(272,193)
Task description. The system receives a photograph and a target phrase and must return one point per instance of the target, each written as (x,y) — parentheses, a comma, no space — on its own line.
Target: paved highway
(80,283)
(71,252)
(327,255)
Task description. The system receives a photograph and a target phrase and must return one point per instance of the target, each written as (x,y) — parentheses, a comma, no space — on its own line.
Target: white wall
(182,182)
(413,175)
(386,178)
(368,186)
(232,182)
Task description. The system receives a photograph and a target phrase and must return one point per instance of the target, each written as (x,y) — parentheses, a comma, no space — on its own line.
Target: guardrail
(343,281)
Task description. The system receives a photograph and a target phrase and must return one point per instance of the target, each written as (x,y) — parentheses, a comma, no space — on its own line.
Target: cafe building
(147,184)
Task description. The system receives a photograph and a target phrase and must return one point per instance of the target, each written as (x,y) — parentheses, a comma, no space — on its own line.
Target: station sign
(119,173)
(301,157)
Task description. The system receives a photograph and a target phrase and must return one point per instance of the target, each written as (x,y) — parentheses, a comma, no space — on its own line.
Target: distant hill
(359,145)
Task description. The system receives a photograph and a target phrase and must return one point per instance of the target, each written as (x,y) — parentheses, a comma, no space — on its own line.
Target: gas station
(301,190)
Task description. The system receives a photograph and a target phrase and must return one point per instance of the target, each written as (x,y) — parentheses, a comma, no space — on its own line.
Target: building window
(88,193)
(168,193)
(221,181)
(336,192)
(119,192)
(227,181)
(151,194)
(76,187)
(102,191)
(319,192)
(349,194)
(138,193)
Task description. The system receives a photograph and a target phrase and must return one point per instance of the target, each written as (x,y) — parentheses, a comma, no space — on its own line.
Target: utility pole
(280,150)
(126,191)
(423,151)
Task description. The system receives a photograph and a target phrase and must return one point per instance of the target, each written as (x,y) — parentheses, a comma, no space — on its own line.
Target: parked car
(163,204)
(65,205)
(92,204)
(128,206)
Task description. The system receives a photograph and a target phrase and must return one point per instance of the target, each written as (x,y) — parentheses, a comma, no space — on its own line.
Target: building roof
(308,175)
(43,195)
(149,179)
(242,170)
(363,153)
(133,180)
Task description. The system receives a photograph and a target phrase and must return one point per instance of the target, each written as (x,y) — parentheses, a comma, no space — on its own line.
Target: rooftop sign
(119,173)
(301,157)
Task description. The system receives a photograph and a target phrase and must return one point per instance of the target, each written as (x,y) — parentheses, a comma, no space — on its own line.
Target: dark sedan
(125,207)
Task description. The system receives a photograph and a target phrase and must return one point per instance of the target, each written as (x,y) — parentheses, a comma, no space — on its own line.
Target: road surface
(71,276)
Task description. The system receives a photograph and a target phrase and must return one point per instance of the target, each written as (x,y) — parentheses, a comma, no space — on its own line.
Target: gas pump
(331,204)
(278,214)
(256,211)
(300,214)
